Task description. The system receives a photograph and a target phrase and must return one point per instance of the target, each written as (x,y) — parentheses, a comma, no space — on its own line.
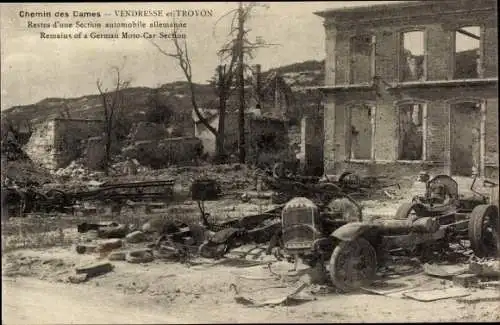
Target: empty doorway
(465,136)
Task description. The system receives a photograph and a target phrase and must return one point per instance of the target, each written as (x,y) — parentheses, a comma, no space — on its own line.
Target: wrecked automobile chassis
(19,201)
(320,189)
(438,218)
(272,226)
(259,228)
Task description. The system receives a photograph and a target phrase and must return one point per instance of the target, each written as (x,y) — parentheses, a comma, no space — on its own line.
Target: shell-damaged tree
(112,102)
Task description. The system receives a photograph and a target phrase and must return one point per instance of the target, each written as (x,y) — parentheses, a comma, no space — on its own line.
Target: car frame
(362,246)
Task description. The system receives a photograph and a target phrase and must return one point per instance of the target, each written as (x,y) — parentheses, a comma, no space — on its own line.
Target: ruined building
(57,142)
(412,86)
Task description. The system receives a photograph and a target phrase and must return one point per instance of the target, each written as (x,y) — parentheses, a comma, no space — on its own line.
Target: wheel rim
(357,264)
(407,212)
(412,215)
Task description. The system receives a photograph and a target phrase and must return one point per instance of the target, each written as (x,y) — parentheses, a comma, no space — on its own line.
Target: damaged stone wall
(93,153)
(40,147)
(436,97)
(148,131)
(56,143)
(491,139)
(163,153)
(439,149)
(68,136)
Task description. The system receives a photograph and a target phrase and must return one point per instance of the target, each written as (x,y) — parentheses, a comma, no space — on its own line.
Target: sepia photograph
(249,162)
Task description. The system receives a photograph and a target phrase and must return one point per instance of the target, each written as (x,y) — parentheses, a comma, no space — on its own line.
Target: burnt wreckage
(428,223)
(321,190)
(267,227)
(306,228)
(18,201)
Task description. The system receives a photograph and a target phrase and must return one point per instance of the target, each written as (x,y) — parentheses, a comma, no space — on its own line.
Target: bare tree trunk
(220,137)
(107,158)
(241,81)
(111,109)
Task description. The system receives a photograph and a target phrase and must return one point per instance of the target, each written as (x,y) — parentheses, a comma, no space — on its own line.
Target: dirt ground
(35,286)
(177,293)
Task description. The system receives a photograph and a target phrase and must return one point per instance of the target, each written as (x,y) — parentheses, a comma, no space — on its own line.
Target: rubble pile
(128,167)
(231,177)
(118,242)
(76,170)
(18,168)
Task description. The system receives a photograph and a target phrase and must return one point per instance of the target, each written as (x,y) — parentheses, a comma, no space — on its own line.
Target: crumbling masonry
(430,100)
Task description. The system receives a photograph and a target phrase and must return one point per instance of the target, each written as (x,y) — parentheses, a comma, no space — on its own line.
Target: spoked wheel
(353,264)
(484,230)
(407,211)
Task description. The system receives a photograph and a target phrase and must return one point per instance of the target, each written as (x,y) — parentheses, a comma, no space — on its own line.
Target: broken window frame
(401,62)
(372,58)
(348,135)
(424,126)
(453,65)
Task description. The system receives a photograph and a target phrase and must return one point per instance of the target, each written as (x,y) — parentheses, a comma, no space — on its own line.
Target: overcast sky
(33,68)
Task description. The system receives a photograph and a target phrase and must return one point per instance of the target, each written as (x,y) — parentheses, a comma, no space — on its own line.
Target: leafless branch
(221,17)
(183,59)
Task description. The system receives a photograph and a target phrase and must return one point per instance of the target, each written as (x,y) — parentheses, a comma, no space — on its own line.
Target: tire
(342,274)
(484,235)
(407,210)
(139,256)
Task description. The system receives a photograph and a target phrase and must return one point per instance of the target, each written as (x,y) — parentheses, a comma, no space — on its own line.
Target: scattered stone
(167,253)
(156,224)
(109,245)
(117,256)
(119,231)
(245,197)
(140,256)
(135,237)
(77,278)
(489,284)
(444,270)
(465,280)
(93,270)
(85,249)
(487,268)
